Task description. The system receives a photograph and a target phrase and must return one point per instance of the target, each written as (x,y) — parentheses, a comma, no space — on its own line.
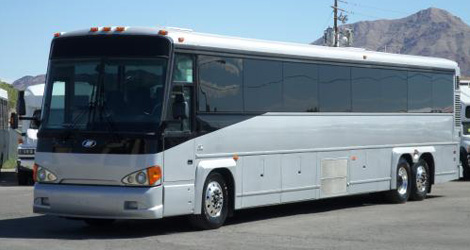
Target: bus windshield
(105,94)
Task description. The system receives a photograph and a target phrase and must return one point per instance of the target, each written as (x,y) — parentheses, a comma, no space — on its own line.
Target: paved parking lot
(360,222)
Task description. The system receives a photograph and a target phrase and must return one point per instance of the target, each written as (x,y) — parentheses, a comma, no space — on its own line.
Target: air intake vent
(457,111)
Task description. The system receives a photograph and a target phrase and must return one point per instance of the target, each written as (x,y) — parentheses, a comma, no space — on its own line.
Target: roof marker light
(106,29)
(163,32)
(181,39)
(57,34)
(120,29)
(93,29)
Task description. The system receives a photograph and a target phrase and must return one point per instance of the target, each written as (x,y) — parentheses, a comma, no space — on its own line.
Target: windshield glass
(105,94)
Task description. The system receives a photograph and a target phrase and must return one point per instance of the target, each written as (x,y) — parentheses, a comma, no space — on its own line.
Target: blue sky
(27,26)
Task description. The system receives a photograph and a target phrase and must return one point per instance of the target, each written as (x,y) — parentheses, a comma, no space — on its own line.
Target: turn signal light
(154,174)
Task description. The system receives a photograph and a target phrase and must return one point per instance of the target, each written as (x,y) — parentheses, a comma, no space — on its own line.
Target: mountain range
(430,32)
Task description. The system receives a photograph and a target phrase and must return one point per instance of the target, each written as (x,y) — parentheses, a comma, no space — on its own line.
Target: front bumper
(98,201)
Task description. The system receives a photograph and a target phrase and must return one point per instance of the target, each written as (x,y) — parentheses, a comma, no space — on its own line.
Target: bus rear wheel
(402,193)
(420,181)
(214,208)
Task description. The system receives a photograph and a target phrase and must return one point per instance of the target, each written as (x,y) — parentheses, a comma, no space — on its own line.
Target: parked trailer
(146,123)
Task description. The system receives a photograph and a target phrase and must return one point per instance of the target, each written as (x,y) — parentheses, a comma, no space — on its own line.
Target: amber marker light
(154,174)
(181,39)
(163,32)
(235,157)
(57,34)
(120,29)
(93,29)
(106,29)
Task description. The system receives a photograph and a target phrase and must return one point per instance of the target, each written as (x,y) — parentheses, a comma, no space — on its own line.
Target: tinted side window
(335,88)
(263,85)
(220,84)
(300,87)
(394,85)
(419,92)
(366,91)
(442,93)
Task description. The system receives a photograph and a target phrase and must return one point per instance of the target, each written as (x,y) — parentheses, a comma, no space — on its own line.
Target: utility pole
(335,11)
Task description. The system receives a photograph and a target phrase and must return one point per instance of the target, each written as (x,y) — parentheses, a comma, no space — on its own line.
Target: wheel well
(407,158)
(429,159)
(228,177)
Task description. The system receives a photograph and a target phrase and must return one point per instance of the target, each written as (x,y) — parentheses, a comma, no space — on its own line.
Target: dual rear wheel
(413,182)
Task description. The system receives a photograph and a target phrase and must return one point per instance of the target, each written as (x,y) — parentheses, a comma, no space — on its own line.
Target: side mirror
(13,121)
(180,108)
(36,121)
(20,105)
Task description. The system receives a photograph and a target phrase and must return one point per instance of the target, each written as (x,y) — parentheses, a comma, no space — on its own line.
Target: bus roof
(184,38)
(3,94)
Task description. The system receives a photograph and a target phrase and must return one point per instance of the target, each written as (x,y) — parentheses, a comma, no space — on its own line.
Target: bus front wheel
(214,208)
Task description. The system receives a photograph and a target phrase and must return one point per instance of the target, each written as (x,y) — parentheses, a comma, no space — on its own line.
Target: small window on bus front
(183,71)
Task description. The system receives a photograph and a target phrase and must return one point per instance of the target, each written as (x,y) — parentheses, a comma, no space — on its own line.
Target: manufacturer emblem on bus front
(89,143)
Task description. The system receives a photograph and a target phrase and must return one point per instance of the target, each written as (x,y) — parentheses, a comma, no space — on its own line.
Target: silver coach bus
(146,123)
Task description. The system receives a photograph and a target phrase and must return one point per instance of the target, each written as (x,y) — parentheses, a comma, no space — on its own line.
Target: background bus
(32,96)
(142,123)
(4,134)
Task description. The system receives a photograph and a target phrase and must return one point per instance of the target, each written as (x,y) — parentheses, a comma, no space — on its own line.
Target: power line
(372,7)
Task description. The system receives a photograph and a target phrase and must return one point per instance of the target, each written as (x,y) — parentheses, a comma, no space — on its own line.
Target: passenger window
(262,85)
(442,93)
(335,88)
(394,89)
(419,92)
(300,87)
(220,84)
(366,91)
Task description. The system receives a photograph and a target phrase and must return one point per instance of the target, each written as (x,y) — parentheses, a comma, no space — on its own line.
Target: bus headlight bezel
(146,177)
(43,175)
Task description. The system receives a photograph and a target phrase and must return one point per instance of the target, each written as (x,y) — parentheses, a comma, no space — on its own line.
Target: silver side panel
(279,158)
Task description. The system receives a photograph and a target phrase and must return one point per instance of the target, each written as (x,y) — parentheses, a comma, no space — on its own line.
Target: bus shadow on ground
(51,227)
(8,179)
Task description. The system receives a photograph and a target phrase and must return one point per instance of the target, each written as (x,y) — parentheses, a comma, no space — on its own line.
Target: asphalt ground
(360,222)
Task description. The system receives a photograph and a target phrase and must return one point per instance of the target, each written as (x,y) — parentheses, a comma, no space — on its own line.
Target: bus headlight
(147,177)
(41,174)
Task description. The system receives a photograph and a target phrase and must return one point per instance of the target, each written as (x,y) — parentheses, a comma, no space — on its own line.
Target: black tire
(402,193)
(420,181)
(465,165)
(205,220)
(21,178)
(99,222)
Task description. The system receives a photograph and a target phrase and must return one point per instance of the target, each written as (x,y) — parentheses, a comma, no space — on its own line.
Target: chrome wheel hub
(421,178)
(214,199)
(402,181)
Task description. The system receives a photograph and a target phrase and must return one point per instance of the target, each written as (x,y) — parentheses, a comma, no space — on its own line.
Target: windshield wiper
(78,118)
